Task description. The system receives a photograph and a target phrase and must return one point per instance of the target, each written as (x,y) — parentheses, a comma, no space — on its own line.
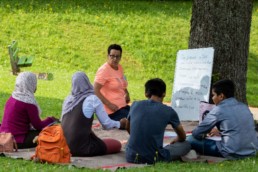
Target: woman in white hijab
(22,112)
(77,117)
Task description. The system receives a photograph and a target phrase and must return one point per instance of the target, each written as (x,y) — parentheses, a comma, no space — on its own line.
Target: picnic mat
(115,161)
(111,162)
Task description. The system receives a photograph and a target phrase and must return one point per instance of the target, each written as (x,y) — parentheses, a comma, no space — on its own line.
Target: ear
(222,96)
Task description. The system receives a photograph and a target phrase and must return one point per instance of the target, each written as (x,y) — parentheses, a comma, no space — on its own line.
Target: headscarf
(81,89)
(25,86)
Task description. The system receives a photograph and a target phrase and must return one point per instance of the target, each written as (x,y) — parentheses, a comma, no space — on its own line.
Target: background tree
(224,25)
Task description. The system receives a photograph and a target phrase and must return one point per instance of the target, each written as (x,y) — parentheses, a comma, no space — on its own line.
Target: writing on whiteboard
(192,81)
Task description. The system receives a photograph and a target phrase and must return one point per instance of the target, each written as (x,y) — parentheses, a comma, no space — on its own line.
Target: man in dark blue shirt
(147,121)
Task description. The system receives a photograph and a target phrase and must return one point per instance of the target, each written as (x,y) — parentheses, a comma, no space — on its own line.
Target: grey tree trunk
(224,25)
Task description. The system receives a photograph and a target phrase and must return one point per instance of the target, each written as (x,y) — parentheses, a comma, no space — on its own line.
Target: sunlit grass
(74,36)
(66,36)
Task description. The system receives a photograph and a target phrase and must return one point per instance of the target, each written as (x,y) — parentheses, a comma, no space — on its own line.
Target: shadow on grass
(96,7)
(49,106)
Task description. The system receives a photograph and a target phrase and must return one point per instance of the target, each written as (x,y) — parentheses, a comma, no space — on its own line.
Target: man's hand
(174,140)
(127,126)
(214,132)
(123,122)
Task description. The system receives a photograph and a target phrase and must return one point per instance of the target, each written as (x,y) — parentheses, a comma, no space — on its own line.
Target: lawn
(67,36)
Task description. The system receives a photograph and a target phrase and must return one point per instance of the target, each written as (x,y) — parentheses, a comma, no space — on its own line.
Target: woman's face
(114,58)
(217,98)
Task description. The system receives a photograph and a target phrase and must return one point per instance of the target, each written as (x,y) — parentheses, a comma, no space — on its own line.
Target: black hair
(155,87)
(224,86)
(115,47)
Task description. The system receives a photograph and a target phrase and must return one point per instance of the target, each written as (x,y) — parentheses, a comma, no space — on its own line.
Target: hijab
(25,87)
(81,89)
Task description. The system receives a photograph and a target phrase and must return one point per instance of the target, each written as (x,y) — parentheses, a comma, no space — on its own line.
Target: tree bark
(225,26)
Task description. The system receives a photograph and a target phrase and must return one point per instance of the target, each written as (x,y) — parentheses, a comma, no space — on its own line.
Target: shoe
(191,155)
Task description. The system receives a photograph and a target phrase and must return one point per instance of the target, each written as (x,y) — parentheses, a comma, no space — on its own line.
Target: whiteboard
(192,81)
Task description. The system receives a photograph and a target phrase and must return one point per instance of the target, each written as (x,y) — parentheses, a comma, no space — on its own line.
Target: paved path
(255,112)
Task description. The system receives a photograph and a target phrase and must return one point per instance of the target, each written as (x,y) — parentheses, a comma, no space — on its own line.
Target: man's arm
(205,127)
(97,92)
(127,96)
(181,136)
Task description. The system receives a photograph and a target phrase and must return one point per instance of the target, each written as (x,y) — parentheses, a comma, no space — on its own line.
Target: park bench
(15,60)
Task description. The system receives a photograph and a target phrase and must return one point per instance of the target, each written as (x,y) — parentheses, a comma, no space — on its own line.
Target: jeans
(204,146)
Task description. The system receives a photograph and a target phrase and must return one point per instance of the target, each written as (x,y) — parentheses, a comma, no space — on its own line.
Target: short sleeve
(174,118)
(101,76)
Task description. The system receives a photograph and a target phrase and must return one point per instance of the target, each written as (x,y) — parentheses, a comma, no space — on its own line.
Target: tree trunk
(224,25)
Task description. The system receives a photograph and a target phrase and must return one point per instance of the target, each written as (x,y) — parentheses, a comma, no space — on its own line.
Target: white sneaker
(191,155)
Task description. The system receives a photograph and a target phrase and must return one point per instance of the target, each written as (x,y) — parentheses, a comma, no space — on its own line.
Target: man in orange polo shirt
(110,85)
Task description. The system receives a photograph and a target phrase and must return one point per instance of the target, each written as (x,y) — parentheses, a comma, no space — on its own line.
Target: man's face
(217,98)
(114,58)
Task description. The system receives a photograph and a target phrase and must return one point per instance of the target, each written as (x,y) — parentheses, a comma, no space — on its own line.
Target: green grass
(70,36)
(248,165)
(67,36)
(252,79)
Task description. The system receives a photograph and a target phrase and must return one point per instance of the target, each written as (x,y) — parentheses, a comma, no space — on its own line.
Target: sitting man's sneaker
(191,155)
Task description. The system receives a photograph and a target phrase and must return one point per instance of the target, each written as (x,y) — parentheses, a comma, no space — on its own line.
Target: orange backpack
(52,146)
